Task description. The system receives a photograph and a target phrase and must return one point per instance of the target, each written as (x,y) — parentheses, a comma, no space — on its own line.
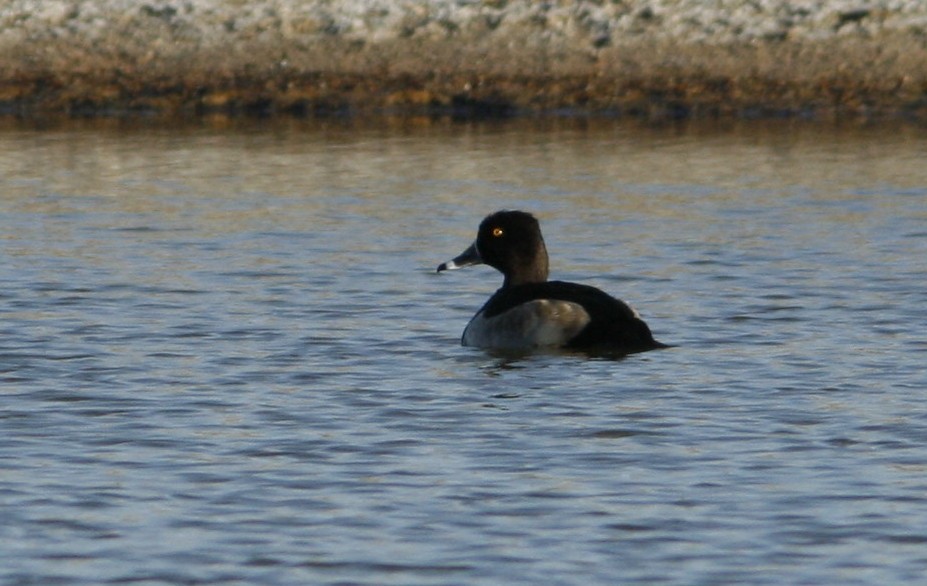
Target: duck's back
(588,318)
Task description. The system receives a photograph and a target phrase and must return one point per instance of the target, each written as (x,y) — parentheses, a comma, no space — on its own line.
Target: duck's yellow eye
(497,232)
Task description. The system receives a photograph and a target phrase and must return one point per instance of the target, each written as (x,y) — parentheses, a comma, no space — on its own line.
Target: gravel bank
(469,57)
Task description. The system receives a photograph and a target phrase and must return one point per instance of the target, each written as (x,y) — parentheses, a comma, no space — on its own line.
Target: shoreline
(494,58)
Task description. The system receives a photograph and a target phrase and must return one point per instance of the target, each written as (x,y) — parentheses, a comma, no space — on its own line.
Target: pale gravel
(146,29)
(215,21)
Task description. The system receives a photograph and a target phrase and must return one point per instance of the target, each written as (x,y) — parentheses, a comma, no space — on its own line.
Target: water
(226,359)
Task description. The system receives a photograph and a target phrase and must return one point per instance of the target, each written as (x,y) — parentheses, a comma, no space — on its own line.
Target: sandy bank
(637,57)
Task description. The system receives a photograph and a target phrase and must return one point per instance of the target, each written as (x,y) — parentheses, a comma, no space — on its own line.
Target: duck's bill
(469,257)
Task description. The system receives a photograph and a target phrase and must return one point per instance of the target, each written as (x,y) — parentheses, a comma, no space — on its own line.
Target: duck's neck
(532,270)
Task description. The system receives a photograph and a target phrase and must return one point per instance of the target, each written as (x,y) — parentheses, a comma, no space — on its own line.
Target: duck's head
(511,242)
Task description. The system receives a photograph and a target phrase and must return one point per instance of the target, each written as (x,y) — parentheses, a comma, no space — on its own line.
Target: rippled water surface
(225,357)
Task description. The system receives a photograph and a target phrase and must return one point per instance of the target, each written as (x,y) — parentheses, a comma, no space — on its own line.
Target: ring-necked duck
(529,311)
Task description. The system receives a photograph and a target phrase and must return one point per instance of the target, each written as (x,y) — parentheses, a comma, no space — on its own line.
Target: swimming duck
(530,312)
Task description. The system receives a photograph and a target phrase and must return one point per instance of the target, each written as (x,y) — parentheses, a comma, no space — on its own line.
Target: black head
(511,242)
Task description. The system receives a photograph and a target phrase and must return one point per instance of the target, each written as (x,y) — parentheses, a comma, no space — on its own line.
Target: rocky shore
(650,58)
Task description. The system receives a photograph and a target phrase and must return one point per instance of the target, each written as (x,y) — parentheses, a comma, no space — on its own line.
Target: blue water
(225,357)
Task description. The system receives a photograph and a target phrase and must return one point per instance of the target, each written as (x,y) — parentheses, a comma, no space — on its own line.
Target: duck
(531,313)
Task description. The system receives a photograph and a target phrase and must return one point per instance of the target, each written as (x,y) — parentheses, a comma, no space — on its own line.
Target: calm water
(225,357)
